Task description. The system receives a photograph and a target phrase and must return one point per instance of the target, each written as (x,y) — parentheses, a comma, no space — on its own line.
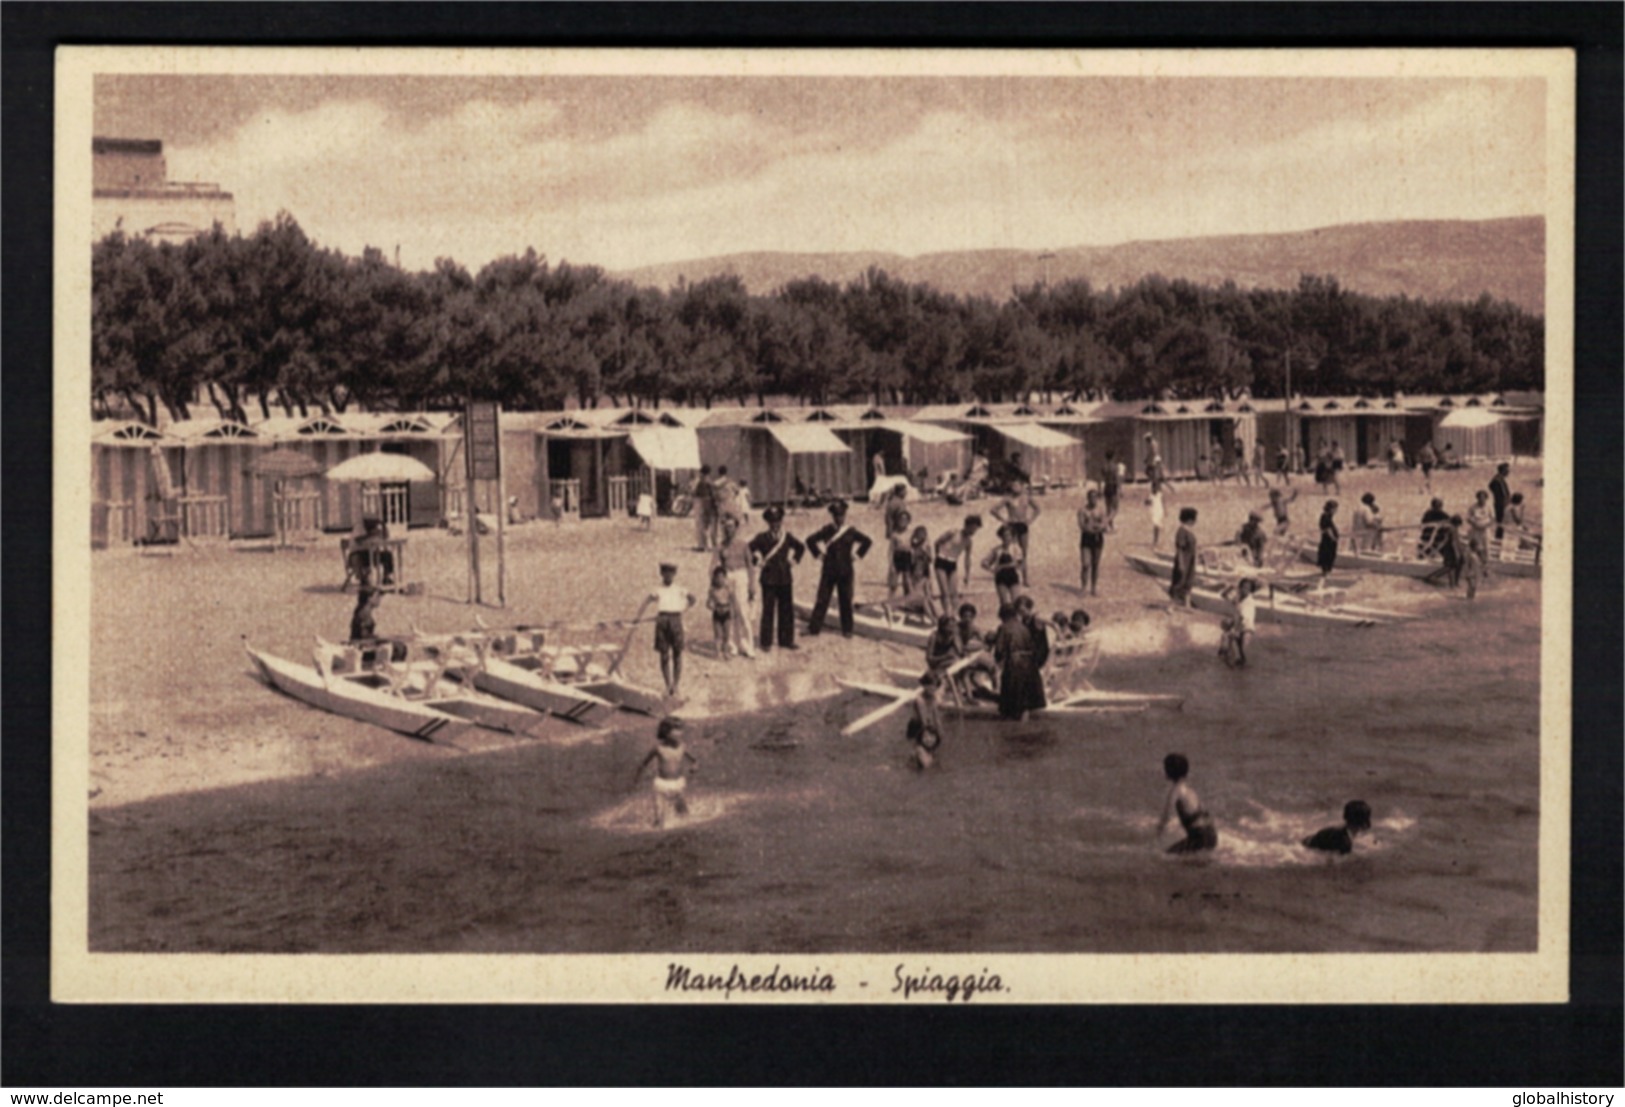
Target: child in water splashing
(1340,839)
(671,779)
(1183,801)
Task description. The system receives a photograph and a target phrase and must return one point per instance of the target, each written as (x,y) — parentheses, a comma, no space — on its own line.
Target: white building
(132,193)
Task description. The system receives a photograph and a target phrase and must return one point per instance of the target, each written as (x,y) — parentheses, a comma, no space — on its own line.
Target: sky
(625,171)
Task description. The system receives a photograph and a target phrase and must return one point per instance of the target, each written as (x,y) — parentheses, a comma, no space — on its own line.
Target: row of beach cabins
(195,479)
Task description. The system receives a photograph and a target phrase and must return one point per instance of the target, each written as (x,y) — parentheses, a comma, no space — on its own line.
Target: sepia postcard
(862,527)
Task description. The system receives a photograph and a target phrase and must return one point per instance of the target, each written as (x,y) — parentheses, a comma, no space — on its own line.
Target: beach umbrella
(380,467)
(284,464)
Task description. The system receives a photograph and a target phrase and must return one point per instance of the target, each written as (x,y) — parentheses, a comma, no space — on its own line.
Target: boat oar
(903,700)
(615,666)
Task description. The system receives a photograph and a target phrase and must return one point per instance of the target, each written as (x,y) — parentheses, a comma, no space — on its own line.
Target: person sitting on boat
(1060,626)
(1252,539)
(916,577)
(363,625)
(1004,562)
(942,649)
(1430,540)
(1240,625)
(1368,525)
(925,728)
(981,677)
(1528,534)
(671,773)
(1340,839)
(1278,507)
(1451,544)
(1182,800)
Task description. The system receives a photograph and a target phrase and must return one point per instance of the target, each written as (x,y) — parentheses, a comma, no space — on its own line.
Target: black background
(1580,1043)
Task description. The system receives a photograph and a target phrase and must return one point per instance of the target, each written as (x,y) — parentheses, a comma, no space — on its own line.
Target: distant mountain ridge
(1423,259)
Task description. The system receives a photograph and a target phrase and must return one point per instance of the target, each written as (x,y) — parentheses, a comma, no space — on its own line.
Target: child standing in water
(925,728)
(1239,627)
(1340,839)
(1183,801)
(671,779)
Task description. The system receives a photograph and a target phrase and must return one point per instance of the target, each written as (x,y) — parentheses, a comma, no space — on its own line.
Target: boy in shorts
(671,601)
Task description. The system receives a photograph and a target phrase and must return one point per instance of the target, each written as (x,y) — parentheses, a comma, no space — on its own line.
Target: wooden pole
(502,523)
(471,516)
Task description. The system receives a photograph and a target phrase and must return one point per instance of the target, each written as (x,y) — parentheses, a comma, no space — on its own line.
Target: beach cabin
(1181,430)
(1472,426)
(220,497)
(577,455)
(432,438)
(905,447)
(780,455)
(1524,414)
(132,491)
(1363,426)
(1002,432)
(1078,419)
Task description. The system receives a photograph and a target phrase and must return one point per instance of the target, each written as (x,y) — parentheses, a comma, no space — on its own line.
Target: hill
(1434,259)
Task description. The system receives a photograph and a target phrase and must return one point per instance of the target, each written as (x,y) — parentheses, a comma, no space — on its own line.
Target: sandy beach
(211,792)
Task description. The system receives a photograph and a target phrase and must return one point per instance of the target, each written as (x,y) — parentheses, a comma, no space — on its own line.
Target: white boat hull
(355,701)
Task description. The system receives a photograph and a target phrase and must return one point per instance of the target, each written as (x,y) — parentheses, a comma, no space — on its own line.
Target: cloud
(621,178)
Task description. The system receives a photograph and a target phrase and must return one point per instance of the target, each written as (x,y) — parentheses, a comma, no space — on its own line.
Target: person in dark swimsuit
(1183,801)
(1340,839)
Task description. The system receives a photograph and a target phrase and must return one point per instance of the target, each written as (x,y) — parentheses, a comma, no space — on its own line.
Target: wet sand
(226,817)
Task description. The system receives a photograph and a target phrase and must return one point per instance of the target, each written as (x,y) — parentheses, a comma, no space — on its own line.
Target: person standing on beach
(1183,801)
(1337,468)
(734,557)
(1019,512)
(1242,622)
(725,490)
(1091,541)
(1260,470)
(671,773)
(363,625)
(777,552)
(1252,539)
(896,518)
(951,549)
(1153,459)
(1396,457)
(1153,503)
(1368,524)
(836,544)
(1184,577)
(1431,539)
(1278,506)
(1479,520)
(1283,465)
(1004,562)
(671,602)
(703,493)
(1503,496)
(1115,476)
(1326,555)
(1426,459)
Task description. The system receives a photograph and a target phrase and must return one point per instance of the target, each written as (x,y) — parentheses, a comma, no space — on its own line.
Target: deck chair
(1072,663)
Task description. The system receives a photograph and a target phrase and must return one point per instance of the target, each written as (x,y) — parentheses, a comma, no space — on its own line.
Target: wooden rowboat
(1281,607)
(880,623)
(1505,559)
(355,701)
(431,676)
(1219,573)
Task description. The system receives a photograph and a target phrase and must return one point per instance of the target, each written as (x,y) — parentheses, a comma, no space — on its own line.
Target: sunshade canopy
(923,432)
(1470,417)
(807,438)
(1039,438)
(380,467)
(667,448)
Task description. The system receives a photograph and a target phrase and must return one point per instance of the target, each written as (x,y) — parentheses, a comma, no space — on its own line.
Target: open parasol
(380,468)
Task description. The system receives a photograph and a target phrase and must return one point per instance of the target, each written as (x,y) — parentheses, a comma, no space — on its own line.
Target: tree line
(272,322)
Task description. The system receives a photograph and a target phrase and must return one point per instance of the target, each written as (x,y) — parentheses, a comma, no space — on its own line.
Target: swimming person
(1184,802)
(671,601)
(1340,839)
(671,779)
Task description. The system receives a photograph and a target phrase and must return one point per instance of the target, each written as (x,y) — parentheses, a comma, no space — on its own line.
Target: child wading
(1340,839)
(925,728)
(1183,801)
(671,601)
(1238,627)
(670,780)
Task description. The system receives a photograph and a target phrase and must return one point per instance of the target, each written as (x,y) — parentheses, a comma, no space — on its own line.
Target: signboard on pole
(482,440)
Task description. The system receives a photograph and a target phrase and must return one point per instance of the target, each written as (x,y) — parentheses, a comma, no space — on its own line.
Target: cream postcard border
(78,975)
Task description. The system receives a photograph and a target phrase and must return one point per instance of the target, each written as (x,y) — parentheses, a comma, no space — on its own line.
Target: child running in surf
(671,774)
(1183,801)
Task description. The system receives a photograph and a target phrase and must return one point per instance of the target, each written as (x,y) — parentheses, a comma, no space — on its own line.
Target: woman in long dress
(1326,555)
(1021,685)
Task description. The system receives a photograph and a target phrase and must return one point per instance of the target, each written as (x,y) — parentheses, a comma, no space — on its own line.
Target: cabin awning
(666,449)
(1470,417)
(922,432)
(1031,434)
(807,438)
